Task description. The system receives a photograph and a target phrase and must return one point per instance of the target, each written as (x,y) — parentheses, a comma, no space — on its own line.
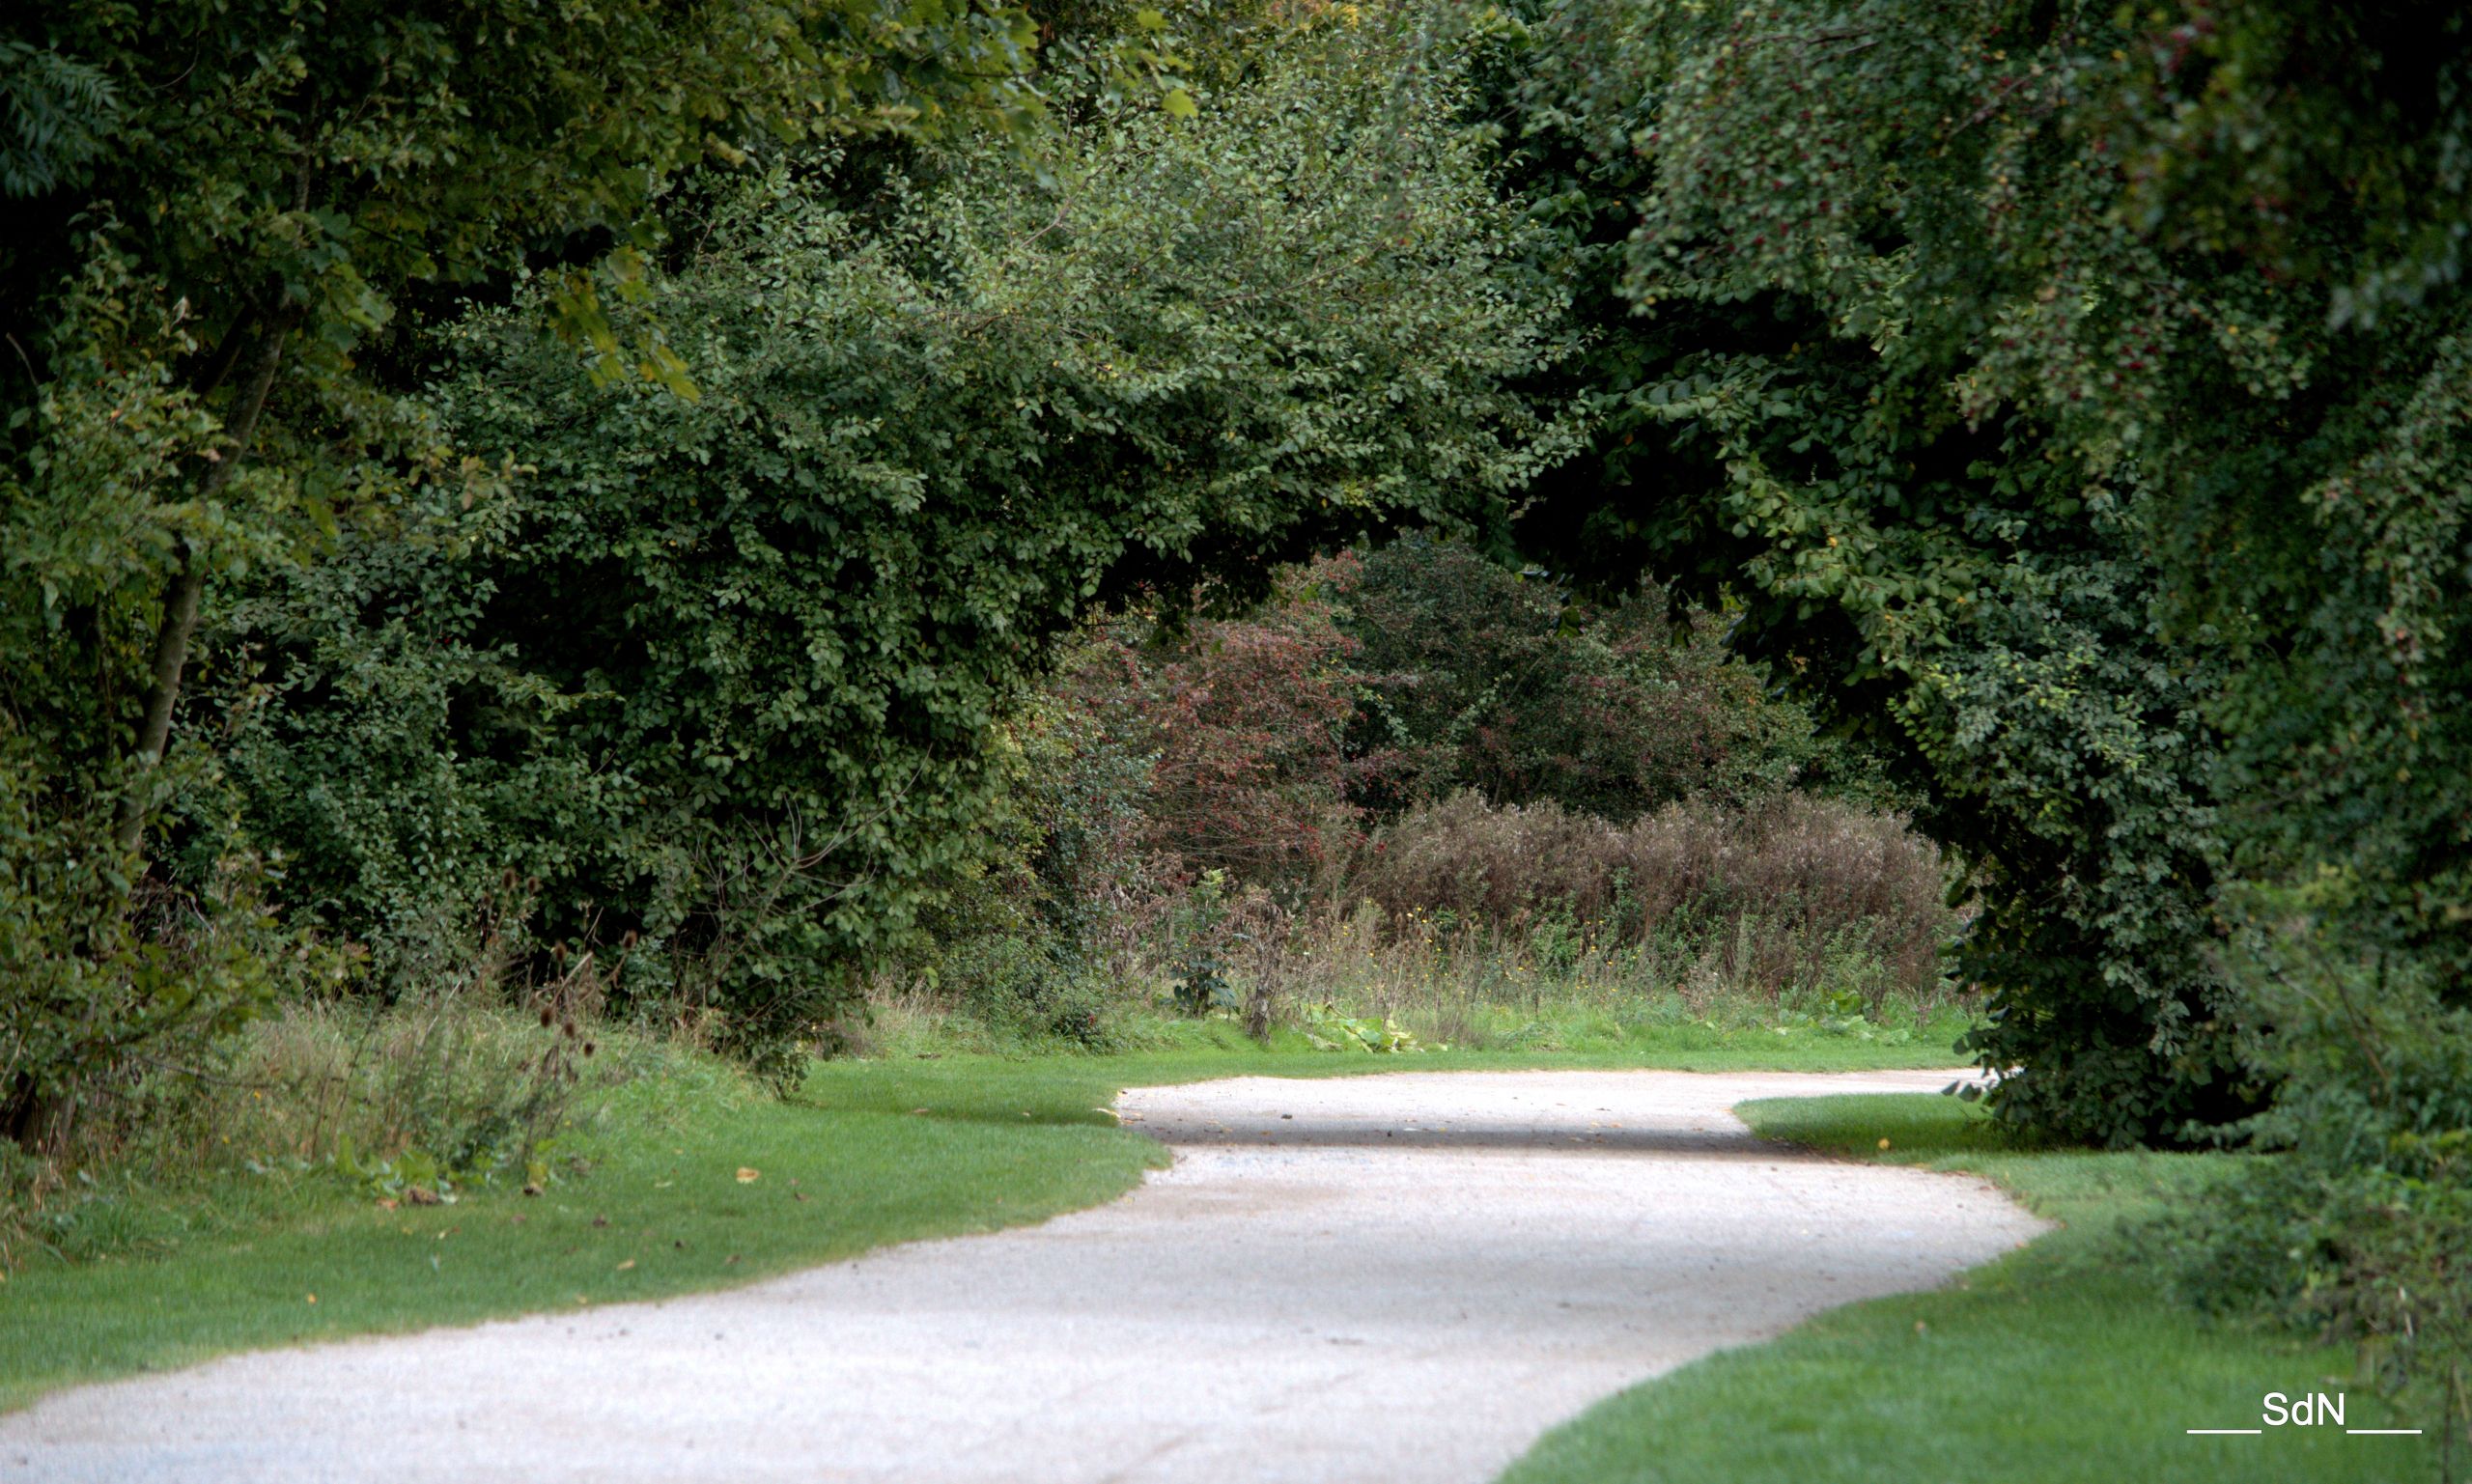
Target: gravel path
(1391,1279)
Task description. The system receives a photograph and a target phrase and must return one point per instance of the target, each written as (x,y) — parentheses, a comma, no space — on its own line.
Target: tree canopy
(234,232)
(2060,390)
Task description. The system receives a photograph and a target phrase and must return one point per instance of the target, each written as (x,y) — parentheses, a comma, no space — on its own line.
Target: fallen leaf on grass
(628,1263)
(747,1176)
(313,1298)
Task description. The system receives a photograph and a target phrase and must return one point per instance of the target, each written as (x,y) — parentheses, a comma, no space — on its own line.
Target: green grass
(662,1212)
(2060,1363)
(871,1152)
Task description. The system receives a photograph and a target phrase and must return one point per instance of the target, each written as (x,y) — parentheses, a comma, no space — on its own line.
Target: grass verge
(2062,1363)
(871,1152)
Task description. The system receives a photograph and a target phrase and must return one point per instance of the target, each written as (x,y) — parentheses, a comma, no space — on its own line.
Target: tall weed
(1765,900)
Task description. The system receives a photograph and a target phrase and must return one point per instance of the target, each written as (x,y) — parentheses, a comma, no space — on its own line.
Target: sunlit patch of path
(1389,1279)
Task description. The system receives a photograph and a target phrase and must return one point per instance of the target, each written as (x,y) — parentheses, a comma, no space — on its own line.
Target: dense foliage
(722,676)
(1238,805)
(1368,683)
(1950,580)
(2075,396)
(1482,677)
(231,231)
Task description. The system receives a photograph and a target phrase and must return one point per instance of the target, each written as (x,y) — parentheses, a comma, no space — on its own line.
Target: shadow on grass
(1705,1143)
(1915,1128)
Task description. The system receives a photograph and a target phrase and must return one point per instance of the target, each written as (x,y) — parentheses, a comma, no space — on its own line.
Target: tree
(1827,244)
(2078,398)
(306,175)
(943,412)
(231,229)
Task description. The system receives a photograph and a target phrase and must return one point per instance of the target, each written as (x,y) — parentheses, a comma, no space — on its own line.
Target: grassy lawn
(2058,1363)
(871,1152)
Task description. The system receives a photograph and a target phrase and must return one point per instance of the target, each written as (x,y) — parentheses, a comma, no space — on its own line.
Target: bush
(1780,891)
(1079,772)
(105,981)
(2357,1222)
(1021,986)
(413,771)
(1250,716)
(723,669)
(1479,677)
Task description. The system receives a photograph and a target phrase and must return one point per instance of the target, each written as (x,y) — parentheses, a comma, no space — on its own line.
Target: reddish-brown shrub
(1249,718)
(1773,890)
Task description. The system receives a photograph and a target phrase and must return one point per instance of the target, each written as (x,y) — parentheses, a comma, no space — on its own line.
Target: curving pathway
(1391,1279)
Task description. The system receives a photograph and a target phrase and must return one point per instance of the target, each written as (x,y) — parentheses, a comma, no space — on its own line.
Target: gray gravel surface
(1391,1279)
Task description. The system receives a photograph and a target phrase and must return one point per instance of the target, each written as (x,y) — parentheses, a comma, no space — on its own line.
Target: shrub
(104,981)
(412,771)
(730,671)
(1253,776)
(215,352)
(2358,1220)
(1079,779)
(1479,676)
(1779,890)
(1016,985)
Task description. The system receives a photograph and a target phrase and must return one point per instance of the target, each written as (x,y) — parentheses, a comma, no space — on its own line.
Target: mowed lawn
(2062,1364)
(870,1152)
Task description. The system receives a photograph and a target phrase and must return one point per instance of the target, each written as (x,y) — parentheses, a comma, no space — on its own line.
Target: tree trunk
(37,1124)
(188,585)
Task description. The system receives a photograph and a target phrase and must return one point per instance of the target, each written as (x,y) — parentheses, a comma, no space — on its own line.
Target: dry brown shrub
(1771,892)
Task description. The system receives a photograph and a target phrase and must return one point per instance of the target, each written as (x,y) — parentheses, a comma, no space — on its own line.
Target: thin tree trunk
(226,354)
(188,585)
